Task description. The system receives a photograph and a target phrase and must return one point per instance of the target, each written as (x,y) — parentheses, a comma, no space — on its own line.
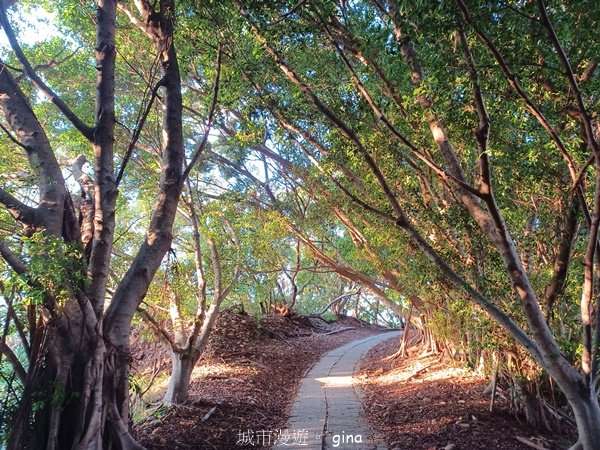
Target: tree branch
(12,259)
(483,133)
(137,132)
(14,139)
(17,209)
(500,316)
(563,257)
(381,116)
(163,333)
(209,119)
(51,212)
(337,299)
(516,86)
(86,130)
(348,132)
(50,64)
(586,117)
(14,361)
(590,367)
(581,174)
(238,260)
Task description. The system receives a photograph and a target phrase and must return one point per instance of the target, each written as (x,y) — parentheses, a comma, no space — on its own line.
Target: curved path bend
(327,413)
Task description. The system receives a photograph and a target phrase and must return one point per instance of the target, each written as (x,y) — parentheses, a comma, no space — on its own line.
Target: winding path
(327,412)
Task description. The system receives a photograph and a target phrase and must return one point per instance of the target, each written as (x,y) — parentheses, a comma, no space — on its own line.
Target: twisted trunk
(63,390)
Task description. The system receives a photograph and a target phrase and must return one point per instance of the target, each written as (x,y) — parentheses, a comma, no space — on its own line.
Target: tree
(401,118)
(76,389)
(189,338)
(461,136)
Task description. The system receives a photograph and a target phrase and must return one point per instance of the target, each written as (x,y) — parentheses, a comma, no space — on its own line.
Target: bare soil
(423,403)
(246,383)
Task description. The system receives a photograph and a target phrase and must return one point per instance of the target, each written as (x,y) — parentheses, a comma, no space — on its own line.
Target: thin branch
(163,333)
(444,175)
(563,256)
(86,130)
(326,111)
(19,325)
(129,227)
(581,174)
(522,14)
(587,119)
(337,299)
(238,259)
(514,83)
(137,132)
(500,316)
(285,15)
(50,64)
(349,42)
(209,120)
(199,266)
(483,133)
(13,138)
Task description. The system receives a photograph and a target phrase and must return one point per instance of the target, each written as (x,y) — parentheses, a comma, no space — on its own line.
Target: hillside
(247,380)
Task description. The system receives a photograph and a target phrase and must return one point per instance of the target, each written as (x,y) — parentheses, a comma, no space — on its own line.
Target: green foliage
(11,391)
(55,268)
(303,190)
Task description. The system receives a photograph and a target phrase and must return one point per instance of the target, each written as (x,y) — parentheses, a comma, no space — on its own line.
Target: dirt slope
(245,384)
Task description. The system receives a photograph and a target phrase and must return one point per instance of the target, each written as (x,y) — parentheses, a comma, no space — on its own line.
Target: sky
(34,26)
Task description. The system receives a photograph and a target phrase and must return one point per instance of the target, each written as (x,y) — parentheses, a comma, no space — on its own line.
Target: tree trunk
(587,416)
(181,373)
(184,362)
(406,332)
(135,282)
(77,389)
(65,405)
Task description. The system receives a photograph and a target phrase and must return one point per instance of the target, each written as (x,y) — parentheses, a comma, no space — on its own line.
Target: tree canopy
(177,155)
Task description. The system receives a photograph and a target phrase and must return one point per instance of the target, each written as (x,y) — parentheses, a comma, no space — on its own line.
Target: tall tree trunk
(136,280)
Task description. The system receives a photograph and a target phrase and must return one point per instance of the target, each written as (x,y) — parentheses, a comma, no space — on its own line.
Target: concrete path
(327,412)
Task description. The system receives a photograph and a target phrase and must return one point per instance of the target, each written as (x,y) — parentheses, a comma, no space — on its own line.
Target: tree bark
(587,416)
(186,351)
(76,393)
(179,382)
(136,280)
(21,118)
(62,400)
